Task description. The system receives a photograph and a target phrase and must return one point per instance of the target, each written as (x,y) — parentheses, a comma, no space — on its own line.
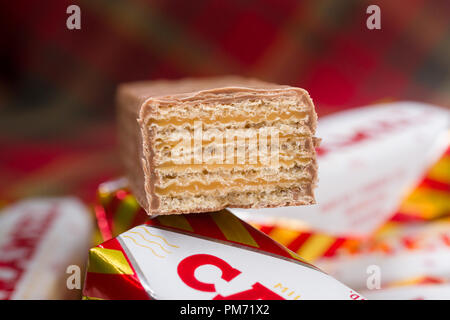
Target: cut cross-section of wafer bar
(198,145)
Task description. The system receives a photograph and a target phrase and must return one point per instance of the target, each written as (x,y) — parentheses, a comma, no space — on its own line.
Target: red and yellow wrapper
(200,256)
(400,252)
(309,244)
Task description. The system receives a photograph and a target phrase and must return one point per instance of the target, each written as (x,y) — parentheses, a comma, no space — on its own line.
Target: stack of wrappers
(375,233)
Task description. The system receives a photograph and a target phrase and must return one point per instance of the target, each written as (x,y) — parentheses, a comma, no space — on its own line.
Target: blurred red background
(57,85)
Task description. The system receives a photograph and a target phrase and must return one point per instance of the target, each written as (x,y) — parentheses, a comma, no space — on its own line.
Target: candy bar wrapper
(42,243)
(368,159)
(400,242)
(397,252)
(200,256)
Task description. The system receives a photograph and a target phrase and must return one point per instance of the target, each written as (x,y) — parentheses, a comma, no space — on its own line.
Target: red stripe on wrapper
(433,184)
(298,242)
(332,249)
(102,222)
(113,287)
(204,225)
(266,229)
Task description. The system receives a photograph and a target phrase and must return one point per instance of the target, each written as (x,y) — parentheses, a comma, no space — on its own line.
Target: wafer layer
(203,145)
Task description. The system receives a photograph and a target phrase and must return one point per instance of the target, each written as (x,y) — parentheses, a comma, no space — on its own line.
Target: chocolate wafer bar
(201,145)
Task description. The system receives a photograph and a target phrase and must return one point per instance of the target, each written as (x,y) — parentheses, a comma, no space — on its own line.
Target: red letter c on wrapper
(187,266)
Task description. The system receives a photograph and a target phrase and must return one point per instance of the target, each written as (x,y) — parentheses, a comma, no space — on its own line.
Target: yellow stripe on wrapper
(284,236)
(90,298)
(427,203)
(315,247)
(350,246)
(441,170)
(423,280)
(388,229)
(175,221)
(96,237)
(108,261)
(232,228)
(125,214)
(407,282)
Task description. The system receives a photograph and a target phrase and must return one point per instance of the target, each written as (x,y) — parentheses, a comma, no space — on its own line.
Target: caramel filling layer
(169,165)
(297,115)
(196,186)
(282,138)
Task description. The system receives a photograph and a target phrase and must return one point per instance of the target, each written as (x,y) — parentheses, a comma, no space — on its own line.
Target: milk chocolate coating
(138,102)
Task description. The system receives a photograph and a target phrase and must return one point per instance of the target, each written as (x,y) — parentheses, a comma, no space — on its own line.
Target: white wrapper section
(39,240)
(172,265)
